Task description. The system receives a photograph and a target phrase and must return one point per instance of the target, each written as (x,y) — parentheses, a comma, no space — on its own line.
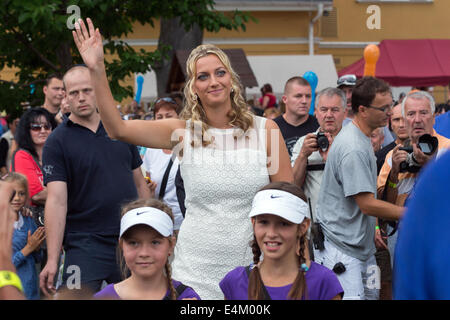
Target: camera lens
(322,141)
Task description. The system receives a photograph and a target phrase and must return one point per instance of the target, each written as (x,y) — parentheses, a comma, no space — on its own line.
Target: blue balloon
(311,77)
(32,88)
(140,83)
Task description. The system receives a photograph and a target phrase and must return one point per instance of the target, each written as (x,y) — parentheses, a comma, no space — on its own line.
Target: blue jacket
(25,266)
(422,262)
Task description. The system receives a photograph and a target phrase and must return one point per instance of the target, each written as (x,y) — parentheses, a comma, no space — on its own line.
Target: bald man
(88,176)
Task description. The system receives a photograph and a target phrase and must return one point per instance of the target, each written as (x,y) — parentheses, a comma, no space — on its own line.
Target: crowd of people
(212,198)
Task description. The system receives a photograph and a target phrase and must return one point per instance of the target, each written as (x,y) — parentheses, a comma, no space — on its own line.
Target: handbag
(38,210)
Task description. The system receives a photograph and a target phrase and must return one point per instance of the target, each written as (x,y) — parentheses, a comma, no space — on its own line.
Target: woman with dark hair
(34,127)
(268,99)
(161,166)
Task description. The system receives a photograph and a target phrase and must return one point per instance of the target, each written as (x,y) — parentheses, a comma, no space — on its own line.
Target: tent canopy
(418,63)
(277,69)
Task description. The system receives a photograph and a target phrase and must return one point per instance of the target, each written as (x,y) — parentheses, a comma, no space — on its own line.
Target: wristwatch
(9,278)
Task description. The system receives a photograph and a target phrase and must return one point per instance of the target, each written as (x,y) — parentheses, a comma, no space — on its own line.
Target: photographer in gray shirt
(347,204)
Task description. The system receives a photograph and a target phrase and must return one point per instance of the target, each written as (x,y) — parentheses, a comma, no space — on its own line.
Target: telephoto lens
(428,144)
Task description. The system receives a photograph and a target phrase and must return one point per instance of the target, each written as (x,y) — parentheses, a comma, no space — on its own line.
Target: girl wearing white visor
(145,243)
(280,219)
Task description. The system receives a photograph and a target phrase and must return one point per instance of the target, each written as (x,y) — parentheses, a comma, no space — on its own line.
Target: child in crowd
(27,238)
(145,243)
(280,219)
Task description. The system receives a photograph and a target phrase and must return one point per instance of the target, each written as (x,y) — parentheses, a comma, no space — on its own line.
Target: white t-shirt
(155,161)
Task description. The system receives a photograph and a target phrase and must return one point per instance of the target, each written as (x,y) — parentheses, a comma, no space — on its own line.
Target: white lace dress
(220,181)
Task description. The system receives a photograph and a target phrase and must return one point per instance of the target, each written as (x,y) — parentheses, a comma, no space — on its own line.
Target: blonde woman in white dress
(226,155)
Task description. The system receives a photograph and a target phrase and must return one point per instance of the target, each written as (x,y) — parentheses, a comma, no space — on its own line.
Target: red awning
(419,63)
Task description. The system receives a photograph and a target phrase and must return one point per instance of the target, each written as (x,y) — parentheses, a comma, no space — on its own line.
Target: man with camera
(310,152)
(347,207)
(399,171)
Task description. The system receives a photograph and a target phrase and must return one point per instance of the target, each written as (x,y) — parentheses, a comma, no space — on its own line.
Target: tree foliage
(35,39)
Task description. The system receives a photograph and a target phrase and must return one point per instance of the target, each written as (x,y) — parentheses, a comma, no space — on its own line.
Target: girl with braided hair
(146,242)
(280,219)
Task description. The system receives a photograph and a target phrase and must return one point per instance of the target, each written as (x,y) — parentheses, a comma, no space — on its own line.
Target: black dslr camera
(322,141)
(317,236)
(427,144)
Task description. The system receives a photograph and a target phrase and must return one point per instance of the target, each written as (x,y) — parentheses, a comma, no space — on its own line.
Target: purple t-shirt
(110,293)
(321,284)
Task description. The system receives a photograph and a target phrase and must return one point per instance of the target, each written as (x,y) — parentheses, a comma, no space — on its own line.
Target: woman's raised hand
(89,43)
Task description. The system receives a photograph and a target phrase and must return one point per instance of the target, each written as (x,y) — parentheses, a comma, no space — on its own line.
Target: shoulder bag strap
(178,291)
(13,160)
(162,190)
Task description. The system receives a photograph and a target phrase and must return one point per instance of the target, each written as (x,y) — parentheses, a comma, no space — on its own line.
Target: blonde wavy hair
(241,117)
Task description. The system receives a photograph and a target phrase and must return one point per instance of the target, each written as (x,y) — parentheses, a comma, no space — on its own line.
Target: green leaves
(35,39)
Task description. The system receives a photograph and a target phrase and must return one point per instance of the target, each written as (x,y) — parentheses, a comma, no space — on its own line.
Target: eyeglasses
(382,109)
(39,126)
(166,99)
(347,80)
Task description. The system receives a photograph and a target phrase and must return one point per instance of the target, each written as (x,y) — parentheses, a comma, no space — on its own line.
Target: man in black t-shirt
(88,177)
(296,121)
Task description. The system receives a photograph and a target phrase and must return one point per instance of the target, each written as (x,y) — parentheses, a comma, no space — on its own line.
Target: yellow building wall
(407,20)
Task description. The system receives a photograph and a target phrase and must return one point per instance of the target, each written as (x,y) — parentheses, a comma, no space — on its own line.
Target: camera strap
(310,211)
(393,224)
(315,167)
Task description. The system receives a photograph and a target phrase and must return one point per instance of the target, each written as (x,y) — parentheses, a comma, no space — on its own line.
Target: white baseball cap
(152,217)
(280,203)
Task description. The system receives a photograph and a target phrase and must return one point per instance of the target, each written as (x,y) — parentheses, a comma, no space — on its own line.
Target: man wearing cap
(347,205)
(346,84)
(296,121)
(89,177)
(308,160)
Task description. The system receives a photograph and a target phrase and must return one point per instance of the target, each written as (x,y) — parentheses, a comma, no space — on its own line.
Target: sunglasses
(349,79)
(38,127)
(166,99)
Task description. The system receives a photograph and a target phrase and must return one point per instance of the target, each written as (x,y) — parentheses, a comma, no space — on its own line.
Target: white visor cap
(152,217)
(280,203)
